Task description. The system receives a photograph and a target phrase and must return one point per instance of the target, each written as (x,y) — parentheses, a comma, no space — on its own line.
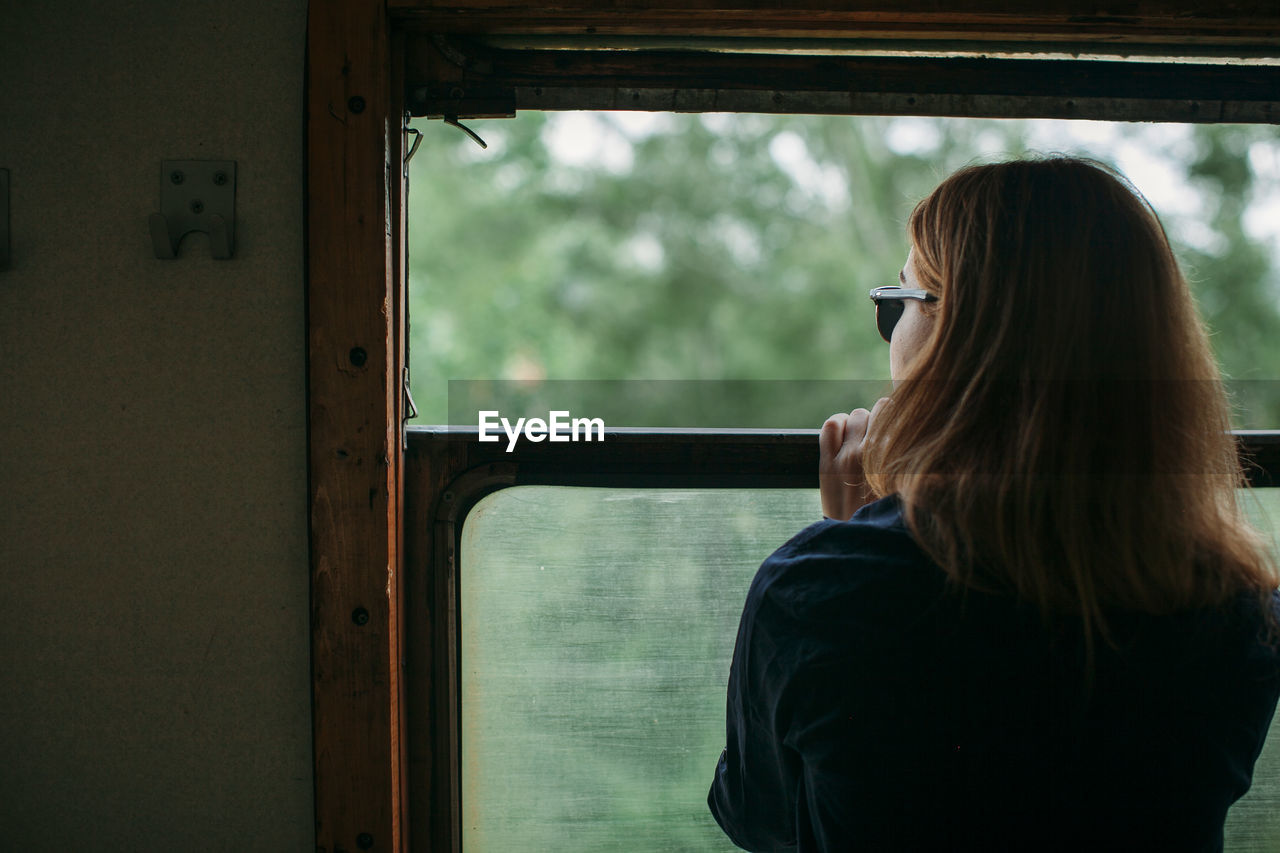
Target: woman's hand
(840,479)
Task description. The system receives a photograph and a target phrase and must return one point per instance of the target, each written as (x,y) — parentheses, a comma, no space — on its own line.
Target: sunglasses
(890,305)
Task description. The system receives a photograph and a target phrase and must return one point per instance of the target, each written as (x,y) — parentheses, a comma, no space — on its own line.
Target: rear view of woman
(1034,617)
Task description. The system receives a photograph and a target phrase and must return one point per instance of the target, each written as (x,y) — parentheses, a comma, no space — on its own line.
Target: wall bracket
(195,195)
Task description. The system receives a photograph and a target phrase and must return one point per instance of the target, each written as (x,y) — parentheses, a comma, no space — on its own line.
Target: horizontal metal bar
(702,458)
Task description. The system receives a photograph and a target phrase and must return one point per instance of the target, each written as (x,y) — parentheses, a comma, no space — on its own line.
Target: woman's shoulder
(876,532)
(832,566)
(878,525)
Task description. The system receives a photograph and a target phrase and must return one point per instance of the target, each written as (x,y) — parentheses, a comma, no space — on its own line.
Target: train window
(596,631)
(669,247)
(706,273)
(1254,821)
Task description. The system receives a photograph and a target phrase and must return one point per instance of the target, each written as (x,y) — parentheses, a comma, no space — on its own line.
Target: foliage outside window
(741,247)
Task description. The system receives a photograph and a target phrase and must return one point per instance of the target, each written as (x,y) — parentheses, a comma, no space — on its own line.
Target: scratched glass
(597,628)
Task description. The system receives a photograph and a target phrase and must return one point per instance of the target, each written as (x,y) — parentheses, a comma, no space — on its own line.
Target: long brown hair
(1063,433)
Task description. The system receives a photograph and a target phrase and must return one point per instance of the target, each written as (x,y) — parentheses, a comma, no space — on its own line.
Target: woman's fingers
(855,431)
(831,438)
(841,480)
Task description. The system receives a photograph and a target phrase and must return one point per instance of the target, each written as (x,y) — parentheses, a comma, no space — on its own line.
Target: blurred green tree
(1234,275)
(718,247)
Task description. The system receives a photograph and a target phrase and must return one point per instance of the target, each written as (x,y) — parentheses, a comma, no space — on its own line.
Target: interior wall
(154,644)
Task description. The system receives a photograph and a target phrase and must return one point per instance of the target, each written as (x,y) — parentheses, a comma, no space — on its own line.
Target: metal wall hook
(195,195)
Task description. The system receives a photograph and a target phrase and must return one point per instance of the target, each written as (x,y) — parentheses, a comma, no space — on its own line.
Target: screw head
(364,841)
(176,177)
(360,616)
(356,104)
(197,206)
(358,356)
(219,178)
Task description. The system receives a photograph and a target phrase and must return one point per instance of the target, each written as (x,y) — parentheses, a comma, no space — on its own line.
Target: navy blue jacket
(870,708)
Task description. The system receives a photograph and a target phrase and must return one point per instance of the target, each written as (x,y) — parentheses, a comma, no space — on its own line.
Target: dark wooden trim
(460,77)
(910,43)
(430,623)
(1260,453)
(1185,22)
(353,318)
(398,186)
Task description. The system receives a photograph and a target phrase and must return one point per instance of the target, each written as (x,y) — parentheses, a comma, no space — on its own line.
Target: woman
(1055,630)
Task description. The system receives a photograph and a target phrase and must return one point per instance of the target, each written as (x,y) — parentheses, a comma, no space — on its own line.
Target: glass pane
(741,247)
(1253,823)
(597,629)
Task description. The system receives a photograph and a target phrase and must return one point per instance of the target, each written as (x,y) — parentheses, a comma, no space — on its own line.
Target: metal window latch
(453,120)
(195,195)
(410,411)
(413,149)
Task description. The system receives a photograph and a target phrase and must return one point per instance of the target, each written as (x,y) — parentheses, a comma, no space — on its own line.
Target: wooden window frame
(370,62)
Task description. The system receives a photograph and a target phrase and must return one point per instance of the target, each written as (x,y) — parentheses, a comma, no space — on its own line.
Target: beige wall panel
(154,645)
